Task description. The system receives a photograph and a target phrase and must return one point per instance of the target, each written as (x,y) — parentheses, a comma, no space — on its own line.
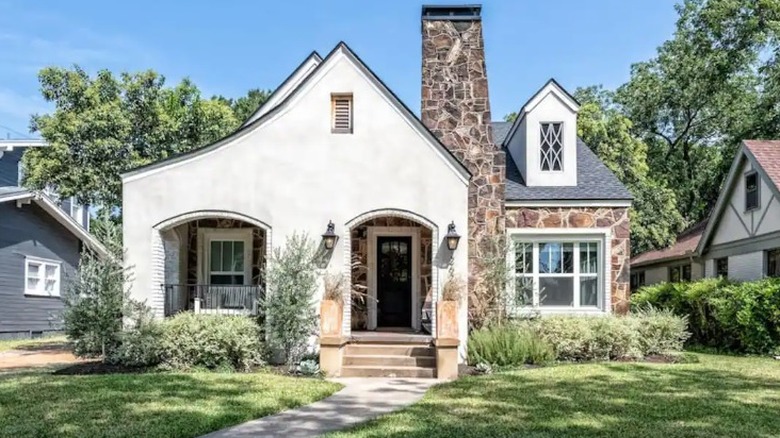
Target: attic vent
(341,113)
(552,146)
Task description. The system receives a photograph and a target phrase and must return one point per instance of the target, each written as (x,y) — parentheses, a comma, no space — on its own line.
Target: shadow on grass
(149,405)
(604,400)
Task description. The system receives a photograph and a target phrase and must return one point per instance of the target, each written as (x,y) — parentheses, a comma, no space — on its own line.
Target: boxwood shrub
(739,317)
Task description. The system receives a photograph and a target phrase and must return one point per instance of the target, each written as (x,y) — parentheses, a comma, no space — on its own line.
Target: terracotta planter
(447,320)
(331,313)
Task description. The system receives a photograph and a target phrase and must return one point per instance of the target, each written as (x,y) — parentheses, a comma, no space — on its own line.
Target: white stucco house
(740,240)
(334,145)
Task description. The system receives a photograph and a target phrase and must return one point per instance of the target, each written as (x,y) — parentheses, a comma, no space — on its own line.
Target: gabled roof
(22,195)
(764,155)
(594,179)
(9,145)
(300,73)
(684,247)
(341,48)
(551,86)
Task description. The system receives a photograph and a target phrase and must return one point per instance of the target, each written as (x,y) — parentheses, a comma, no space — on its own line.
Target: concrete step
(390,338)
(390,361)
(419,350)
(385,371)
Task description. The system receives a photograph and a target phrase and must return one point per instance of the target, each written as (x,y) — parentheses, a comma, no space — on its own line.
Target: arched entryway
(390,257)
(209,262)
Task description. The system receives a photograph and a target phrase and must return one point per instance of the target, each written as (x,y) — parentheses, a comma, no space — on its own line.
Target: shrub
(192,341)
(96,301)
(140,344)
(739,317)
(507,345)
(291,314)
(580,338)
(309,368)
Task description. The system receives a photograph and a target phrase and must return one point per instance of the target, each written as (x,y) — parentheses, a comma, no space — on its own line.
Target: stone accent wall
(359,242)
(258,246)
(456,108)
(587,217)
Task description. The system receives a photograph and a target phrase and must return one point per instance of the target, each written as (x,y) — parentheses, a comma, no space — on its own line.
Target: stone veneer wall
(258,246)
(587,217)
(456,108)
(360,273)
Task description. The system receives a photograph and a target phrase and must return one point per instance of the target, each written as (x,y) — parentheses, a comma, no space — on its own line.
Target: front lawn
(28,344)
(149,405)
(721,396)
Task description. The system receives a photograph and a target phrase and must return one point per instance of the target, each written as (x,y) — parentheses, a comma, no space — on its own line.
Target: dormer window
(551,147)
(341,113)
(751,191)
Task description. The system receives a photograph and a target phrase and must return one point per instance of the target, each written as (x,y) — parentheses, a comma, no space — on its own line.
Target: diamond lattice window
(552,146)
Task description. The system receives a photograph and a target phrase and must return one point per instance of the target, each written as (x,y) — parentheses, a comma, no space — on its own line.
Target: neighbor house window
(551,146)
(773,263)
(341,113)
(77,211)
(637,280)
(680,273)
(722,267)
(41,277)
(551,274)
(751,191)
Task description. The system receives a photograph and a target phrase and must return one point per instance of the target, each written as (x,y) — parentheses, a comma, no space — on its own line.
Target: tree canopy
(104,125)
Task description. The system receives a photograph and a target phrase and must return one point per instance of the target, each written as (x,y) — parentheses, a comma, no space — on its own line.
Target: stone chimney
(456,108)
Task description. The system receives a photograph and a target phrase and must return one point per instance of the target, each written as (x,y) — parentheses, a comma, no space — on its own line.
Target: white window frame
(41,290)
(208,235)
(77,211)
(602,236)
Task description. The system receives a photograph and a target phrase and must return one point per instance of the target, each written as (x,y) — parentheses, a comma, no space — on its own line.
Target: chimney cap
(452,12)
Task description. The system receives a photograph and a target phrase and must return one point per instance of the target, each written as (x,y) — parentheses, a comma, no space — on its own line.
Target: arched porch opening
(209,262)
(390,257)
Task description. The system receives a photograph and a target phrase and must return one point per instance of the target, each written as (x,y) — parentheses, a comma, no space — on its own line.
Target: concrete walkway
(360,400)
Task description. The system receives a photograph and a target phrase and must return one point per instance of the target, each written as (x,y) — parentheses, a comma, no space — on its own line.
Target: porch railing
(211,298)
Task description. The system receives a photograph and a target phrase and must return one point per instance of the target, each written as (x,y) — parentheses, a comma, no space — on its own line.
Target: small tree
(96,299)
(292,281)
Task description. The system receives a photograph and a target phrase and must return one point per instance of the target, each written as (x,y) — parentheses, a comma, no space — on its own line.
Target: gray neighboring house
(741,239)
(41,239)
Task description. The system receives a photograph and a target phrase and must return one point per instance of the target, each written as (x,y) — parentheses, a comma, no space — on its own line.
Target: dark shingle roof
(594,180)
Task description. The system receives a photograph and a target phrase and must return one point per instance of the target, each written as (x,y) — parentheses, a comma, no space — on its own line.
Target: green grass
(721,396)
(22,344)
(148,405)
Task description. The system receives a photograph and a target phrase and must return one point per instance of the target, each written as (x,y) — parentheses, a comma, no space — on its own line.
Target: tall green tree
(104,125)
(655,219)
(696,98)
(244,106)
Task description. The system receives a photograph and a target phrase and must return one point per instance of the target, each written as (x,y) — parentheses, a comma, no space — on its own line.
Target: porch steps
(394,356)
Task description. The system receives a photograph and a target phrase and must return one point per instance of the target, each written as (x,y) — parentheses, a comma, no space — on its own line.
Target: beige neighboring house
(741,239)
(334,152)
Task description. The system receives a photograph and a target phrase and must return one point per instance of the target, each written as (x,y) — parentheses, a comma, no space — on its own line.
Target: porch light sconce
(330,237)
(452,237)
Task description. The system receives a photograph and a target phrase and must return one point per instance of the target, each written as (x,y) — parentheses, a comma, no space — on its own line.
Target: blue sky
(229,47)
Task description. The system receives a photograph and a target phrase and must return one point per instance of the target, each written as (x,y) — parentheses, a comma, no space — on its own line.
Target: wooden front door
(394,281)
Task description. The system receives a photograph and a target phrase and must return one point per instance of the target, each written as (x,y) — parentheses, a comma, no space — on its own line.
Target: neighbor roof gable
(341,48)
(767,169)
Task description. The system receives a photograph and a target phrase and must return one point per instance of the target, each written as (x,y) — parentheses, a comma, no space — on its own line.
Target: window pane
(238,256)
(674,274)
(588,257)
(773,263)
(50,285)
(216,258)
(524,263)
(524,291)
(33,269)
(686,273)
(227,256)
(556,291)
(227,279)
(568,258)
(32,283)
(51,272)
(550,258)
(589,292)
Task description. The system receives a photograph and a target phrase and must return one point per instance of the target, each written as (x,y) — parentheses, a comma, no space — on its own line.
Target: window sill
(340,131)
(37,295)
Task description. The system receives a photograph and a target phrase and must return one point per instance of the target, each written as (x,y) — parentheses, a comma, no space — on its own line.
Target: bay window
(557,273)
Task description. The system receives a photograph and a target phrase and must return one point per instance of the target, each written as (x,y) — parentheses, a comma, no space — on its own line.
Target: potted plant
(332,305)
(447,308)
